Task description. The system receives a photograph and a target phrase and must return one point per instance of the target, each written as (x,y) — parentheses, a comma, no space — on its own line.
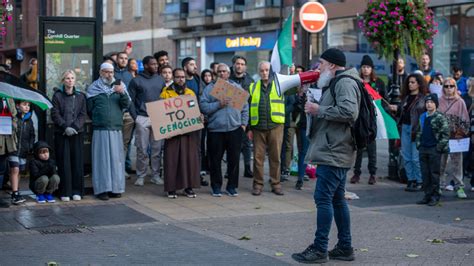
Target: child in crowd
(43,178)
(432,140)
(25,137)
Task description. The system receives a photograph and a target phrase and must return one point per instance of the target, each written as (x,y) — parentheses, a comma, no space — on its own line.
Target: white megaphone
(286,82)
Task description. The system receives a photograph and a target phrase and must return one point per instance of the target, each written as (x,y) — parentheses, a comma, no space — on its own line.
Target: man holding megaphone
(331,148)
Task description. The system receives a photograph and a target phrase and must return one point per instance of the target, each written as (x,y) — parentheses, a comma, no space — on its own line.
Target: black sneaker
(284,175)
(103,196)
(310,255)
(232,192)
(172,195)
(299,185)
(425,200)
(204,183)
(341,254)
(189,193)
(418,187)
(411,186)
(17,198)
(432,202)
(115,195)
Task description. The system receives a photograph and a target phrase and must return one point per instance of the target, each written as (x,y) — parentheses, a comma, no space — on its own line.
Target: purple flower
(397,22)
(402,18)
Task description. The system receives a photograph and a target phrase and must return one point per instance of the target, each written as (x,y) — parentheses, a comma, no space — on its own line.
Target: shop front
(453,45)
(255,47)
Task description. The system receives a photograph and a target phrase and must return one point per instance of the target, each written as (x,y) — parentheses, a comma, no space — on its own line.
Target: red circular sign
(313,17)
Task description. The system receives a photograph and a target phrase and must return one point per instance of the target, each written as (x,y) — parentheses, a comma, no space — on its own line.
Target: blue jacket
(462,85)
(222,119)
(123,75)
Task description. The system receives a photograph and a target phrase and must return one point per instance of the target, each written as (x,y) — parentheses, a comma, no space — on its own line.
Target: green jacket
(106,111)
(331,141)
(440,126)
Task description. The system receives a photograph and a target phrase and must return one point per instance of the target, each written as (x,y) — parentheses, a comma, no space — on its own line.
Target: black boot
(410,186)
(247,172)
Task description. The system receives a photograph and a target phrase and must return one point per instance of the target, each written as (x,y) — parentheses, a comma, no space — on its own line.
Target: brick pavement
(386,226)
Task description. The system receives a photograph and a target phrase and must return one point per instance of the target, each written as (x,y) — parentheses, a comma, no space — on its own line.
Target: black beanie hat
(334,56)
(432,97)
(367,61)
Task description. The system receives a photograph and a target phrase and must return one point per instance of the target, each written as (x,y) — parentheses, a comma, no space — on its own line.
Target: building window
(61,8)
(187,48)
(452,44)
(104,11)
(77,8)
(138,8)
(118,10)
(90,8)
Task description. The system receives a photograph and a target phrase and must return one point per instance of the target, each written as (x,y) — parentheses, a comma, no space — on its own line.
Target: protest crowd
(435,108)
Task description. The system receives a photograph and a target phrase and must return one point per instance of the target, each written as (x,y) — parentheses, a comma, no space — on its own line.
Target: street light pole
(99,9)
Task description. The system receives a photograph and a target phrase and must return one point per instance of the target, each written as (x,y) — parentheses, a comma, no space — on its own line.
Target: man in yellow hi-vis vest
(267,118)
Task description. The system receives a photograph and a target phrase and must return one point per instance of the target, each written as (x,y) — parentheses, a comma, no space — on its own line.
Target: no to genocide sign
(174,116)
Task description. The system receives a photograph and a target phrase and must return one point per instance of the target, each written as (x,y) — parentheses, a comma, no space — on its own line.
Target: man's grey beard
(107,81)
(324,79)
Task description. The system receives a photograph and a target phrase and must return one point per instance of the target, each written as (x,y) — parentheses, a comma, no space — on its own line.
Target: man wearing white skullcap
(105,104)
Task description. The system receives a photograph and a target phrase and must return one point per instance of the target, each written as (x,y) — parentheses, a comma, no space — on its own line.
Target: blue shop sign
(244,42)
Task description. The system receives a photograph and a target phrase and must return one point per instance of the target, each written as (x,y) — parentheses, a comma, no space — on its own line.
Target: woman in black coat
(68,115)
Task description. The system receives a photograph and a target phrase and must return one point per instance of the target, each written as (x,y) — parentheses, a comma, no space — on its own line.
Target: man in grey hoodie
(144,88)
(225,128)
(332,149)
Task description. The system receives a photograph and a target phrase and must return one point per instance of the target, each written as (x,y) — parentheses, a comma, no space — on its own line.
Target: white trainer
(66,199)
(157,180)
(76,197)
(140,182)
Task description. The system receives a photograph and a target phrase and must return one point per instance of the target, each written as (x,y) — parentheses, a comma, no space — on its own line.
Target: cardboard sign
(6,125)
(458,145)
(438,89)
(224,90)
(174,116)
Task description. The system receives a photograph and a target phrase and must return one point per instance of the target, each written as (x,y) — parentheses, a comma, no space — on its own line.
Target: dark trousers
(330,202)
(204,151)
(217,144)
(372,154)
(246,150)
(430,164)
(70,162)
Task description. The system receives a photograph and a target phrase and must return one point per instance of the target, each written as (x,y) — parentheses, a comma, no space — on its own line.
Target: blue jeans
(302,149)
(330,201)
(411,157)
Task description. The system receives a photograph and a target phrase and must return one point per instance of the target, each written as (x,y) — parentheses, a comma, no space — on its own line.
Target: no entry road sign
(313,17)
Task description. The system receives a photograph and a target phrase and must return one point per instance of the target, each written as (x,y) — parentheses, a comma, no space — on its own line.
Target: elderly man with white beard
(332,149)
(105,104)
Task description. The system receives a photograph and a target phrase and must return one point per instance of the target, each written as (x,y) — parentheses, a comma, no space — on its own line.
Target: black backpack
(364,130)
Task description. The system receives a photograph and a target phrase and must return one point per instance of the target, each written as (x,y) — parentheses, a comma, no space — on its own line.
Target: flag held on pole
(283,50)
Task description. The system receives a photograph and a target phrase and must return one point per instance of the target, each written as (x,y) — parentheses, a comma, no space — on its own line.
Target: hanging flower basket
(389,25)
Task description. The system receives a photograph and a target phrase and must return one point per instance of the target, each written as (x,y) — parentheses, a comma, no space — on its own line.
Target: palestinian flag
(386,125)
(283,50)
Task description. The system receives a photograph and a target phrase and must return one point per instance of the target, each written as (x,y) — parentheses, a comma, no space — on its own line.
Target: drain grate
(461,240)
(59,230)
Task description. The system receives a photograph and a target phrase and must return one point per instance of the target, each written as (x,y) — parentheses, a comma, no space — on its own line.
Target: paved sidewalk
(387,226)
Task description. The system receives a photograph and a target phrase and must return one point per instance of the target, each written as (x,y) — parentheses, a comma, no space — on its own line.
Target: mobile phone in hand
(129,44)
(117,82)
